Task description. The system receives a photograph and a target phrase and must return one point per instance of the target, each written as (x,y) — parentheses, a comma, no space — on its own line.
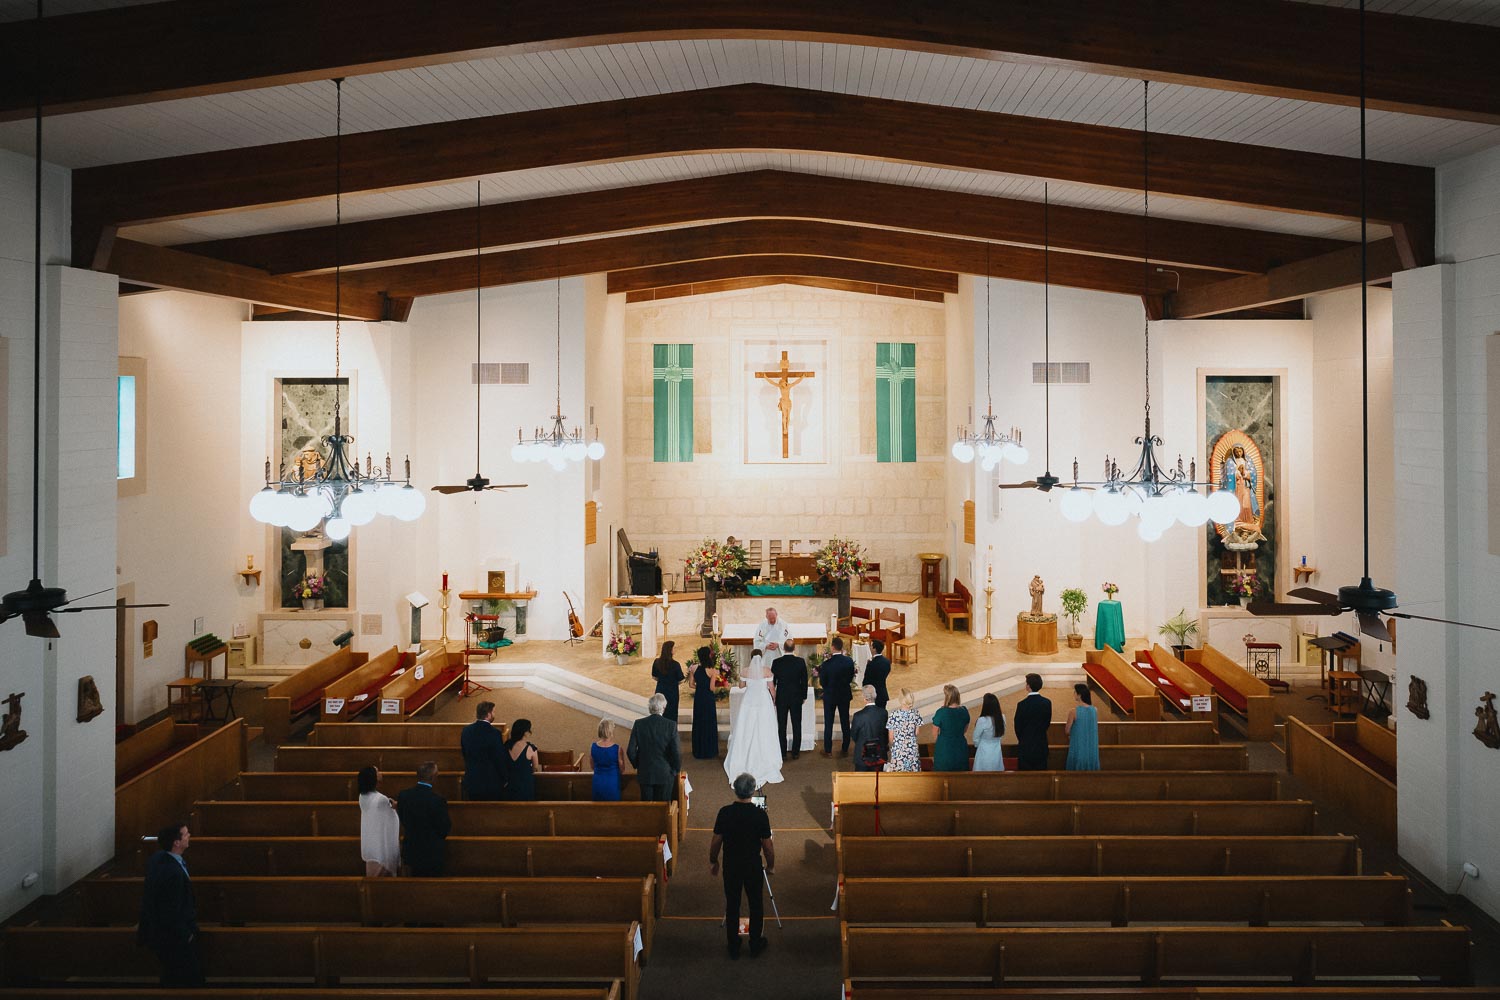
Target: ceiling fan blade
(108,607)
(1441,621)
(1310,594)
(1019,486)
(1371,625)
(450,489)
(1271,609)
(40,625)
(508,486)
(87,596)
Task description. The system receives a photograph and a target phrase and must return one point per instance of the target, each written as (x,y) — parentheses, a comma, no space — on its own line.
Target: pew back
(419,685)
(362,680)
(1338,777)
(610,992)
(1124,685)
(859,786)
(167,790)
(470,819)
(300,692)
(1184,732)
(387,734)
(1240,689)
(150,746)
(1011,819)
(1187,679)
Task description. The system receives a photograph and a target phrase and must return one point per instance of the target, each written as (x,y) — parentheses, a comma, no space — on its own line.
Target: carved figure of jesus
(1037,590)
(785,379)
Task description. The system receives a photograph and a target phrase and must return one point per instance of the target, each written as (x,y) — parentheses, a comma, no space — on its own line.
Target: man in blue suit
(484,756)
(169,917)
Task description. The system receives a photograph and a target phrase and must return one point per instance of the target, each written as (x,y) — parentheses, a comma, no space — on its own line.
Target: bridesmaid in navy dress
(605,755)
(669,678)
(520,784)
(705,708)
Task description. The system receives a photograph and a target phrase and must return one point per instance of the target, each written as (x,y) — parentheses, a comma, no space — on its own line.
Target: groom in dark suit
(789,688)
(1033,718)
(837,673)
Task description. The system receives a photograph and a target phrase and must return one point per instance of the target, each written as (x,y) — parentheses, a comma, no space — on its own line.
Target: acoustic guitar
(575,626)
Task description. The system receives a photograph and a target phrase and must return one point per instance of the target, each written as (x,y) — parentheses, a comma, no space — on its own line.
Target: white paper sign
(666,850)
(333,706)
(359,697)
(1202,704)
(639,946)
(421,671)
(390,706)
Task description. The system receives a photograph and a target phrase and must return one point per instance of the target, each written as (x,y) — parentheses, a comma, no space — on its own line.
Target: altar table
(1109,627)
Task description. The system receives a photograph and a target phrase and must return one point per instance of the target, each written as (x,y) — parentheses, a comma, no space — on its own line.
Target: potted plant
(1074,603)
(1243,588)
(841,559)
(311,589)
(622,645)
(1180,627)
(715,562)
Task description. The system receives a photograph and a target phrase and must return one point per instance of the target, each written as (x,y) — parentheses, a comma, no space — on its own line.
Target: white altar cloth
(809,715)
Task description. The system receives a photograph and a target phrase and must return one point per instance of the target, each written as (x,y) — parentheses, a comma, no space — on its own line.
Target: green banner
(895,402)
(672,401)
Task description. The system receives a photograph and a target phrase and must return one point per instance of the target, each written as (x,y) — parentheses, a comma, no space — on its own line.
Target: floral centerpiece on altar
(715,560)
(1243,587)
(840,558)
(622,645)
(725,670)
(1110,590)
(311,590)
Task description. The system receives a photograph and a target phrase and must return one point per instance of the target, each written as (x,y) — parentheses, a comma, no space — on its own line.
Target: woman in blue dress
(951,753)
(988,729)
(705,707)
(1082,728)
(605,756)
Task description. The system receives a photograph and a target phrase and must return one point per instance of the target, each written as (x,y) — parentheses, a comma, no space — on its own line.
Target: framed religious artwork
(494,582)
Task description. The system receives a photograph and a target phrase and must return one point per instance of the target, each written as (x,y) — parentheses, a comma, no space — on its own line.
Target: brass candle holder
(444,606)
(989,600)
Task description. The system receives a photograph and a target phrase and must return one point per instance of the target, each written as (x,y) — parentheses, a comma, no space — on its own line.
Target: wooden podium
(1036,638)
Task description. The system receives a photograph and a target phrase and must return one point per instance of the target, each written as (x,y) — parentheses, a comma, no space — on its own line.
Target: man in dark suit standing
(837,673)
(789,689)
(655,752)
(424,819)
(169,917)
(1033,718)
(868,726)
(484,756)
(877,670)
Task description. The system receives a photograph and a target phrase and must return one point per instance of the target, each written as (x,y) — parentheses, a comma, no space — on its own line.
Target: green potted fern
(1074,603)
(1180,628)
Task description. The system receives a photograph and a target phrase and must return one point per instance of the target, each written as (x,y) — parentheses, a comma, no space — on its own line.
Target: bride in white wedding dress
(753,747)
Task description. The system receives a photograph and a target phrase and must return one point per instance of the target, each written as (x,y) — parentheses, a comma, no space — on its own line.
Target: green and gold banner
(672,399)
(895,402)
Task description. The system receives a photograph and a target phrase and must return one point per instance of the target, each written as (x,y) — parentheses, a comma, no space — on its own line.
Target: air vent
(371,624)
(1060,373)
(500,373)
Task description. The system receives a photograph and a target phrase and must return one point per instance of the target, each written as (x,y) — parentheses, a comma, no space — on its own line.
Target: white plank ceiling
(601,73)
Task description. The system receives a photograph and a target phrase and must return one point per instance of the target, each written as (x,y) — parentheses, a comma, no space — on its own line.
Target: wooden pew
(882,991)
(397,759)
(1123,685)
(166,791)
(409,693)
(358,691)
(151,746)
(962,857)
(1339,777)
(1188,680)
(859,786)
(1368,742)
(390,734)
(1303,955)
(447,902)
(610,992)
(1168,732)
(322,956)
(1256,901)
(1034,819)
(302,692)
(1239,689)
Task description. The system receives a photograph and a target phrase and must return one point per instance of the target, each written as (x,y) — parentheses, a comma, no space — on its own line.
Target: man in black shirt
(743,830)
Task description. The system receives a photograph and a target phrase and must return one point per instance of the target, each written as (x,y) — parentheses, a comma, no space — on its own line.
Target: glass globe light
(990,461)
(387,499)
(1149,532)
(1077,505)
(304,513)
(1157,513)
(557,460)
(1020,454)
(1010,453)
(1192,509)
(1223,506)
(360,507)
(963,451)
(540,452)
(595,450)
(575,451)
(409,503)
(337,529)
(1133,502)
(519,453)
(1111,506)
(263,505)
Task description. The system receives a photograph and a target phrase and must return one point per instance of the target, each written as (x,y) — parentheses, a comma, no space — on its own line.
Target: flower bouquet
(1110,590)
(1243,587)
(622,645)
(840,558)
(311,589)
(726,670)
(715,560)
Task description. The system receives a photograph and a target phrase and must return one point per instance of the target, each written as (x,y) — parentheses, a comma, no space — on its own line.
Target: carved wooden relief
(1416,698)
(1487,729)
(89,703)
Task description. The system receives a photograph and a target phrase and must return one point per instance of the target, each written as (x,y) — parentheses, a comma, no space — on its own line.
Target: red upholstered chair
(953,607)
(870,578)
(857,625)
(890,626)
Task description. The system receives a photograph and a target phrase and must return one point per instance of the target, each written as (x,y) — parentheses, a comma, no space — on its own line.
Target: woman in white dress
(379,827)
(753,747)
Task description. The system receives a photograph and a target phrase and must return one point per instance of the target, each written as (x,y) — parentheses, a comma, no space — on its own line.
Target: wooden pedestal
(1036,638)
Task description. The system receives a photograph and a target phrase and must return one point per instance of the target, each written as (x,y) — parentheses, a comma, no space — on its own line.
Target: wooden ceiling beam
(764,281)
(780,265)
(739,118)
(775,237)
(1273,47)
(161,267)
(1330,272)
(764,194)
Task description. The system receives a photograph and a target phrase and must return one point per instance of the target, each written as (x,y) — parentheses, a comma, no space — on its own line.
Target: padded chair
(857,625)
(953,607)
(890,626)
(870,578)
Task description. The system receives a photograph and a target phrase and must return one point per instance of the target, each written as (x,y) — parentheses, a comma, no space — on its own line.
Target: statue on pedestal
(1037,590)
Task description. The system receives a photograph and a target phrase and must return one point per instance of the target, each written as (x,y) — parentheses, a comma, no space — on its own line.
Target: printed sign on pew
(1202,703)
(333,706)
(390,706)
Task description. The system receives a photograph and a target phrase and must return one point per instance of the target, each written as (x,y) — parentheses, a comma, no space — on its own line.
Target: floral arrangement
(715,560)
(725,668)
(840,558)
(622,644)
(312,586)
(1110,590)
(1243,585)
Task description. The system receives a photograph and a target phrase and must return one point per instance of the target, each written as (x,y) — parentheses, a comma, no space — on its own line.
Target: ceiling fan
(36,604)
(1365,600)
(478,484)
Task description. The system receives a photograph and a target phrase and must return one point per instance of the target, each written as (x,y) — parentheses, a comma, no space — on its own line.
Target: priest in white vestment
(771,635)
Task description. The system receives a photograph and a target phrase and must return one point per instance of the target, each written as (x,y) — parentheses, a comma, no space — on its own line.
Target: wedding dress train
(753,747)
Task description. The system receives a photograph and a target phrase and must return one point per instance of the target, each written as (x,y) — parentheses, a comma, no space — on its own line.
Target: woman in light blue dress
(988,729)
(1082,728)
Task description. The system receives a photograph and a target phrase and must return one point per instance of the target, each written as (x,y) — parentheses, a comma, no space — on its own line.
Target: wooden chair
(889,626)
(559,760)
(857,624)
(870,578)
(954,606)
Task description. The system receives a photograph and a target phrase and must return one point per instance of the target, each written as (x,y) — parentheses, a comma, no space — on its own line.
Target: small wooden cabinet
(241,654)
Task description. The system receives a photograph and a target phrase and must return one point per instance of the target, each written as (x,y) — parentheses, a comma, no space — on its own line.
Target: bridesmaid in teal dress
(952,720)
(1082,728)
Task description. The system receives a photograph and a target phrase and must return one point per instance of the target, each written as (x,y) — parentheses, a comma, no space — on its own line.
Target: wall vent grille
(1060,373)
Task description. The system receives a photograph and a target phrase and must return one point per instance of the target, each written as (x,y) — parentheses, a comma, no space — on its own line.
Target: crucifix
(784,379)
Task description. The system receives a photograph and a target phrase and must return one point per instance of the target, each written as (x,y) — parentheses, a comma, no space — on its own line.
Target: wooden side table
(184,700)
(932,573)
(1343,692)
(904,651)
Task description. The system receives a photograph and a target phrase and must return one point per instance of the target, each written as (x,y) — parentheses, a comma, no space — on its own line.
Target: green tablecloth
(1109,627)
(779,590)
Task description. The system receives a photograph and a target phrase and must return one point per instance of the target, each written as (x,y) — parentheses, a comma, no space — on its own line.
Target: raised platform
(752,610)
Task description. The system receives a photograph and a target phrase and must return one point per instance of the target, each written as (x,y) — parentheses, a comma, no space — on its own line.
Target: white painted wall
(604,331)
(58,785)
(1447,566)
(173,548)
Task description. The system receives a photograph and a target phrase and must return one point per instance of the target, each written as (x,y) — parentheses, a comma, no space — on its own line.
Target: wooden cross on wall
(784,379)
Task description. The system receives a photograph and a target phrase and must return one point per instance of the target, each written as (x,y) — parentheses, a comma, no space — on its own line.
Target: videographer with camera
(743,831)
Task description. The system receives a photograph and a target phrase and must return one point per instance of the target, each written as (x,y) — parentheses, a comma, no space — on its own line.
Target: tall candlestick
(989,595)
(445,581)
(444,605)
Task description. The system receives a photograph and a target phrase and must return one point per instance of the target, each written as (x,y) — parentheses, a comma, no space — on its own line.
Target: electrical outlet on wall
(198,626)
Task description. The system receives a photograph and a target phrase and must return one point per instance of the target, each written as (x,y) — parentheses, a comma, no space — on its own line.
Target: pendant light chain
(36,306)
(1364,290)
(478,306)
(1146,231)
(989,336)
(558,278)
(1047,324)
(338,252)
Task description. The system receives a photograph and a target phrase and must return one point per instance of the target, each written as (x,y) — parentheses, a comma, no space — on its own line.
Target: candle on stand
(666,599)
(716,623)
(445,581)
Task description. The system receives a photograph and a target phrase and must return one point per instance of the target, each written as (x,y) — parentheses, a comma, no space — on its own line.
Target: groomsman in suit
(424,817)
(876,672)
(789,689)
(868,726)
(837,673)
(1033,718)
(485,764)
